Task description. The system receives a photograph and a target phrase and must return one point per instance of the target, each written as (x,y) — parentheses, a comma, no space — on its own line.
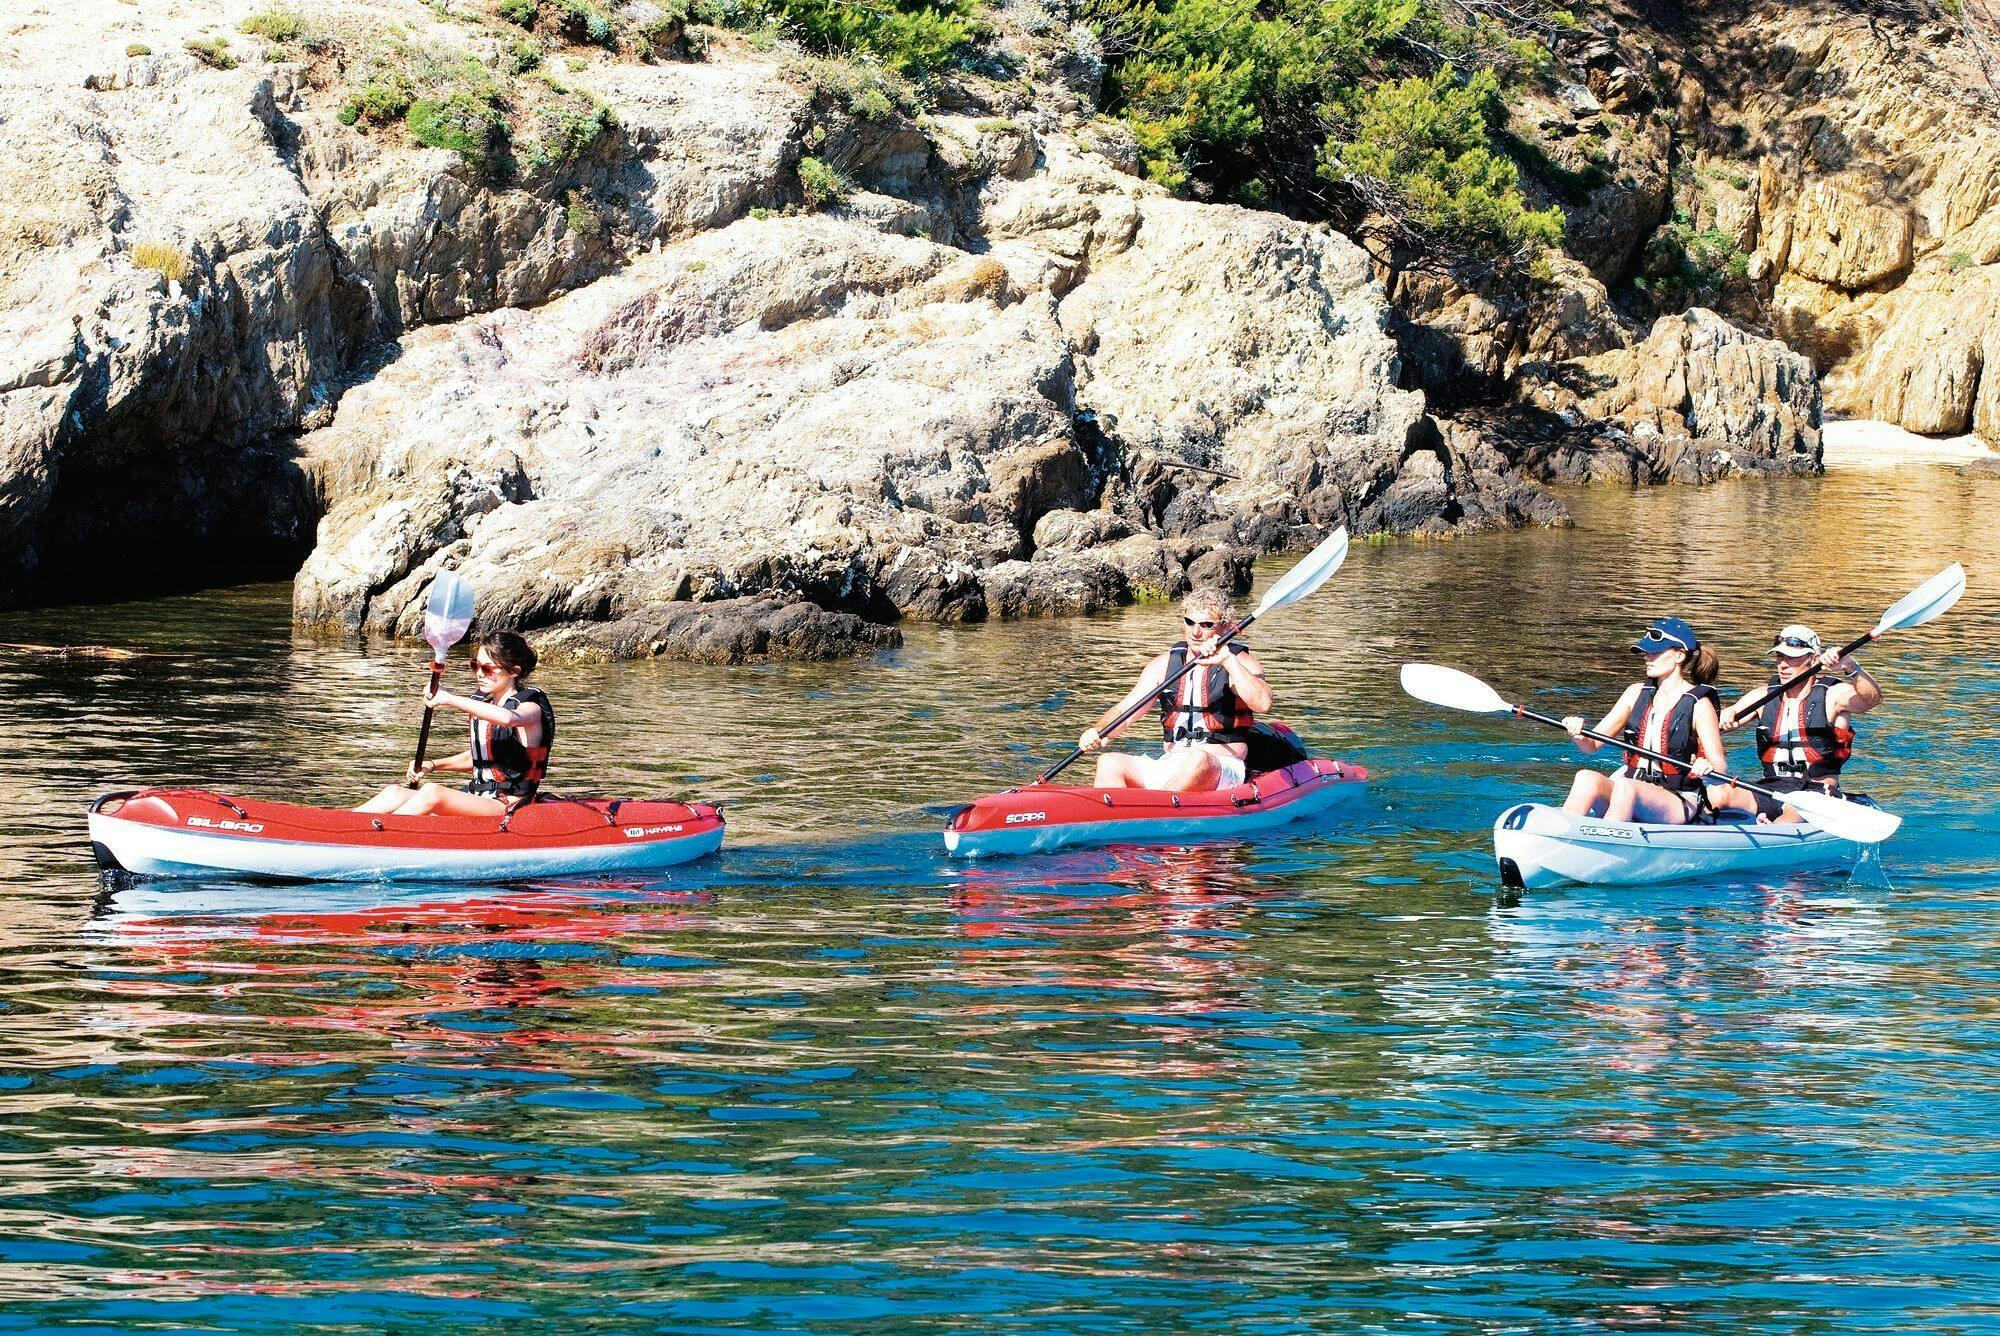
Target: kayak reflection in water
(1674,711)
(1206,716)
(513,728)
(1805,733)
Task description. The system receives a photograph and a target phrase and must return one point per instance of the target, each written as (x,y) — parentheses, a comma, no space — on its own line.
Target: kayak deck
(1536,845)
(1039,817)
(196,833)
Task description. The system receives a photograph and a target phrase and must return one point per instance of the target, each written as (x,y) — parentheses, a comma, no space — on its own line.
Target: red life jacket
(1798,740)
(1201,707)
(1677,739)
(502,765)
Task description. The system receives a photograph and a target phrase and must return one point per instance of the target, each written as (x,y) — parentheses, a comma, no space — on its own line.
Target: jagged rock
(1067,584)
(1980,468)
(1073,530)
(1151,571)
(738,630)
(863,460)
(1697,379)
(1846,241)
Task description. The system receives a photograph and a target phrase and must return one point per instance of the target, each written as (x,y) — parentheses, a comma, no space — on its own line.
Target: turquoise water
(831,1082)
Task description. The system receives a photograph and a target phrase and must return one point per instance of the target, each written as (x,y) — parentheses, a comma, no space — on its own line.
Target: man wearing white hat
(1805,733)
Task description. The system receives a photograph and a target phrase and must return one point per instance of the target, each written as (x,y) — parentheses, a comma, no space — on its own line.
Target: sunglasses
(1792,643)
(1206,626)
(487,668)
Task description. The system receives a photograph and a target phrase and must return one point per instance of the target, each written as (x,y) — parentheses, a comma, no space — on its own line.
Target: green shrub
(564,132)
(211,51)
(138,49)
(170,262)
(909,37)
(519,12)
(823,185)
(871,104)
(1961,260)
(1561,19)
(1430,140)
(580,217)
(379,101)
(276,24)
(519,56)
(463,122)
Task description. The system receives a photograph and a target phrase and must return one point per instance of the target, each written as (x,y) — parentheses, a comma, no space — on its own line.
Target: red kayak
(195,833)
(1051,816)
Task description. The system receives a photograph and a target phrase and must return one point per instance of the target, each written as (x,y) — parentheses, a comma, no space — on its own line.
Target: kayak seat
(1272,746)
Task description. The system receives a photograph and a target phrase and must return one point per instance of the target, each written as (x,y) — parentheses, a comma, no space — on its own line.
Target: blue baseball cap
(1667,633)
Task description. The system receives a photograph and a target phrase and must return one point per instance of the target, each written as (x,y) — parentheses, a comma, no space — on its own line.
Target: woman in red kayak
(1806,732)
(513,728)
(1675,711)
(1205,716)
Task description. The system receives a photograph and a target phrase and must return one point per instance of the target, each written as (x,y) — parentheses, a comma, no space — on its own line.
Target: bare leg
(1116,770)
(1622,800)
(1724,798)
(1650,802)
(388,800)
(436,799)
(1186,770)
(1588,793)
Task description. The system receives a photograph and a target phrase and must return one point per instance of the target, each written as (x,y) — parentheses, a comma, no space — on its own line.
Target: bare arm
(528,719)
(1246,679)
(1859,694)
(1709,753)
(1610,723)
(1148,685)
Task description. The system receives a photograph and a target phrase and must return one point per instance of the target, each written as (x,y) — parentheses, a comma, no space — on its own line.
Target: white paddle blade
(1309,574)
(1452,689)
(1848,820)
(448,613)
(1928,601)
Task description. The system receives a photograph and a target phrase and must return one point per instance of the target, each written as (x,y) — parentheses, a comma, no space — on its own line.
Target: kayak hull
(1040,817)
(1537,845)
(190,833)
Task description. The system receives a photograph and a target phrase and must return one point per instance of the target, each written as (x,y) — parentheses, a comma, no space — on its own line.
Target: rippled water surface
(829,1081)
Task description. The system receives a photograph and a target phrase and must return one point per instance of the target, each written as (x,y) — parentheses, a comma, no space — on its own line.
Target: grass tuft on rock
(276,24)
(822,183)
(163,258)
(211,51)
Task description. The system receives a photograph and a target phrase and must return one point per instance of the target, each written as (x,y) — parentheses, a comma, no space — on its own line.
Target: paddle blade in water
(448,613)
(1309,574)
(1452,689)
(1848,820)
(1929,600)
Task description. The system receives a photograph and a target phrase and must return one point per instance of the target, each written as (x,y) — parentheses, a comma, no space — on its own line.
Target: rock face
(1698,398)
(666,391)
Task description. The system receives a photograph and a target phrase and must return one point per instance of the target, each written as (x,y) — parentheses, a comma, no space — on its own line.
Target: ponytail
(1703,666)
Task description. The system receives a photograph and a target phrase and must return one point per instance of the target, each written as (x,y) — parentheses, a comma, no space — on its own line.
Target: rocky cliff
(733,352)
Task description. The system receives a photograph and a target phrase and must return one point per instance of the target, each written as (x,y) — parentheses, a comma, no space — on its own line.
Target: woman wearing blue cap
(1674,711)
(1805,733)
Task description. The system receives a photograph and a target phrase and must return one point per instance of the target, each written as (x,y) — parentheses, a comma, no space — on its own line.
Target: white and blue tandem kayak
(1537,845)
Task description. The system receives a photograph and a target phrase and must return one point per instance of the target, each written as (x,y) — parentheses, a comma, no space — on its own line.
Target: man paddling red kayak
(513,728)
(1205,716)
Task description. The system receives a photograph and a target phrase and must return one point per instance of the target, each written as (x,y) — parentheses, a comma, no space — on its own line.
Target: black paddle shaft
(1758,702)
(1525,713)
(424,733)
(1141,704)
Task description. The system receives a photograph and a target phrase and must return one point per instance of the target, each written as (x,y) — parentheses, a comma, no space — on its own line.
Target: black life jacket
(502,765)
(1201,707)
(1798,739)
(1677,739)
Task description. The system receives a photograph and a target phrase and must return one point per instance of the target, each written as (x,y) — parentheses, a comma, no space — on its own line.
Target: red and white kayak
(195,833)
(1052,816)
